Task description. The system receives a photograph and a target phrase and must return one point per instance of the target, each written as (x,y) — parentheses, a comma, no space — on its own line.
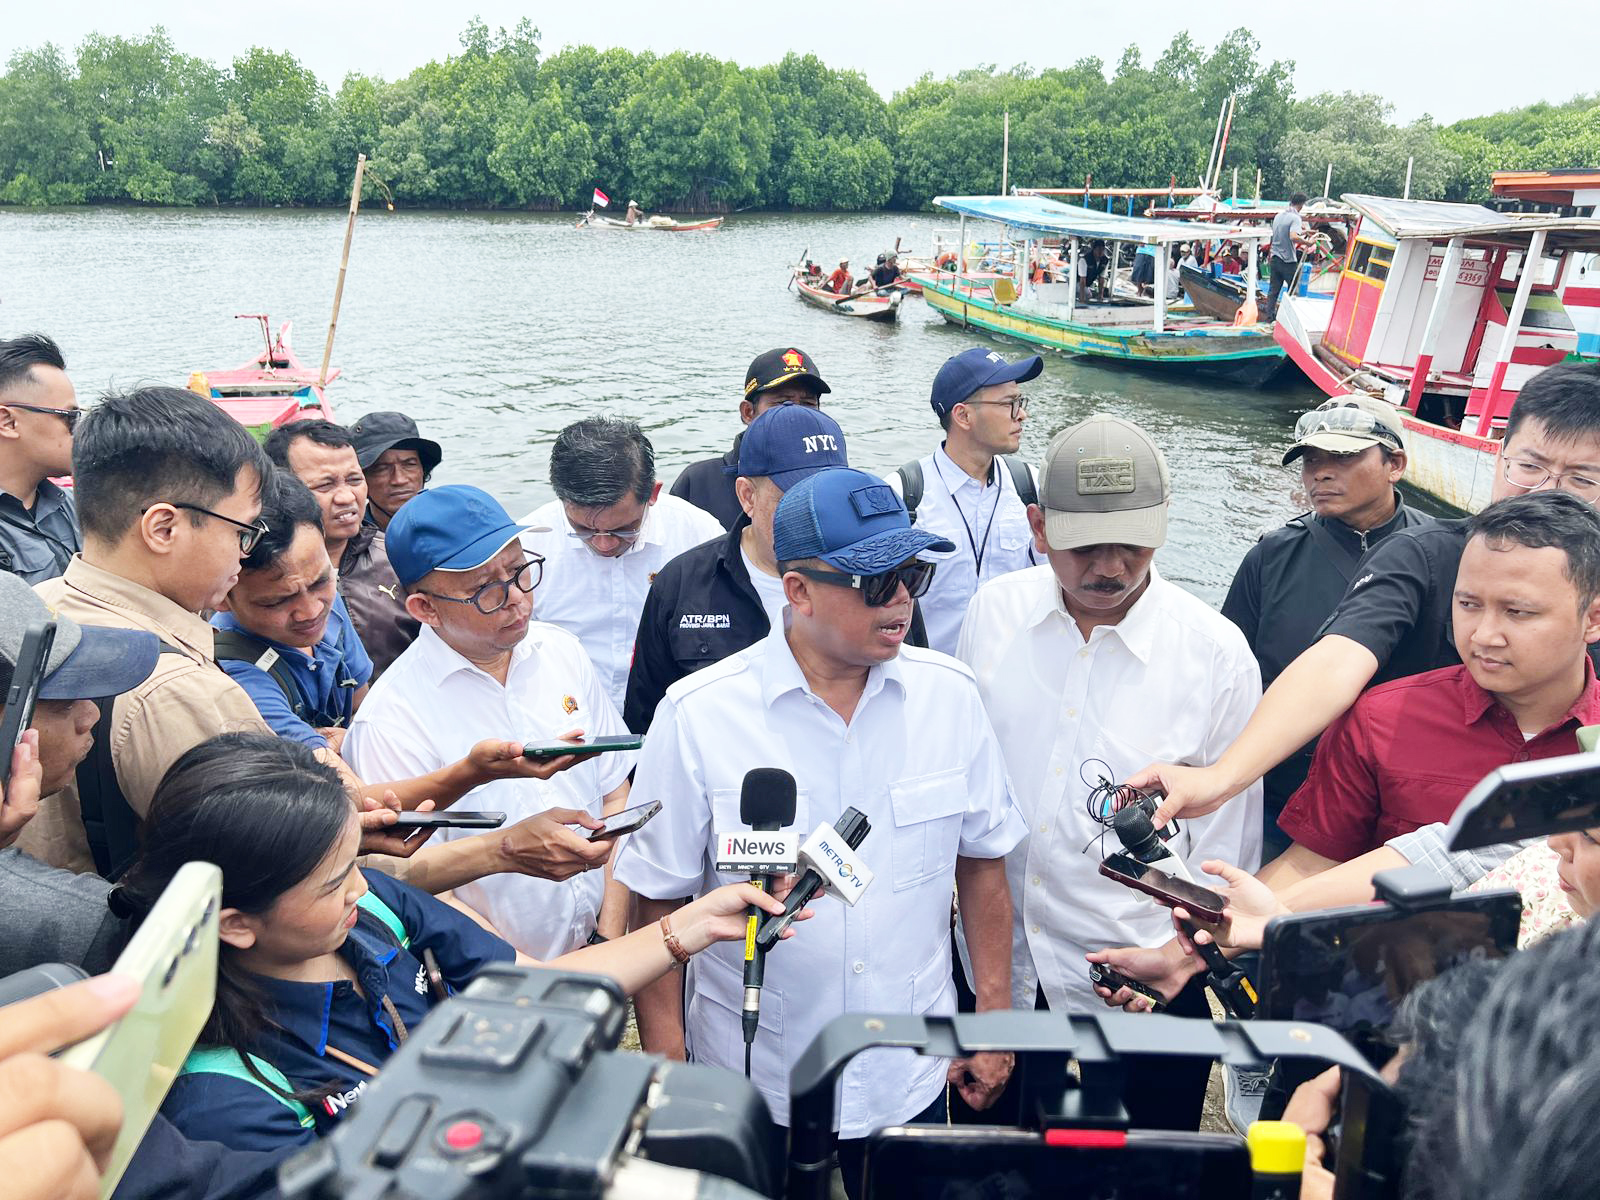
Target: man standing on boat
(782,376)
(397,459)
(1288,237)
(634,215)
(38,412)
(1352,453)
(972,491)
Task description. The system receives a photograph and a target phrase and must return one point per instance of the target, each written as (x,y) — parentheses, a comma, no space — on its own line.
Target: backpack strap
(224,1060)
(373,906)
(235,645)
(911,487)
(109,822)
(1022,478)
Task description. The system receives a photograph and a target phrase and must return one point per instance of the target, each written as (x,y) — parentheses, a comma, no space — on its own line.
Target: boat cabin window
(1371,260)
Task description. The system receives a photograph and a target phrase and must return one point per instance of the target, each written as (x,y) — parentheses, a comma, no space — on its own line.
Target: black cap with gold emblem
(777,367)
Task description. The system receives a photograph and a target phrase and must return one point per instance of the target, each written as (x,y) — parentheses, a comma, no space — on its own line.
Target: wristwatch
(596,938)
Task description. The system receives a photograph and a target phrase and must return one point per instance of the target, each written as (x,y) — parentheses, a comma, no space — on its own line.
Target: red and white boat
(883,304)
(591,220)
(272,389)
(1454,354)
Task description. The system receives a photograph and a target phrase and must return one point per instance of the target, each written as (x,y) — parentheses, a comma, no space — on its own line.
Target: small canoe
(649,224)
(1212,296)
(881,305)
(272,389)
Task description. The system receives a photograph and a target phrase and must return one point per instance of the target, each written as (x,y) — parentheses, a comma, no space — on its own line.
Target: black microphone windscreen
(1134,829)
(767,798)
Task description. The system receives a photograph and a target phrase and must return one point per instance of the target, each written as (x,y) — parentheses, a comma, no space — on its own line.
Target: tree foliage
(496,125)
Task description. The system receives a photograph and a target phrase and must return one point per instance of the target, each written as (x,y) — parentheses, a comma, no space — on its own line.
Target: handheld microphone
(1141,839)
(766,804)
(827,866)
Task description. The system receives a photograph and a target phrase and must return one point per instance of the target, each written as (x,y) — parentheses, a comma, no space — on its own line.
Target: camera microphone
(766,805)
(828,865)
(1141,839)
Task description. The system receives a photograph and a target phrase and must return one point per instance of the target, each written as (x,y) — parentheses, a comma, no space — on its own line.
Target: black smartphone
(1108,977)
(450,820)
(599,745)
(625,821)
(23,693)
(1202,903)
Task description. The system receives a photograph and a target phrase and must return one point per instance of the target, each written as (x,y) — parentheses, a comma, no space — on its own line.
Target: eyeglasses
(1018,405)
(1530,475)
(877,590)
(1345,419)
(629,534)
(496,594)
(250,533)
(69,415)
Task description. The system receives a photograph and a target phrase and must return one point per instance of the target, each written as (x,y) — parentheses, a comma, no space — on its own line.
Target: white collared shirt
(983,520)
(599,599)
(919,761)
(432,706)
(1175,682)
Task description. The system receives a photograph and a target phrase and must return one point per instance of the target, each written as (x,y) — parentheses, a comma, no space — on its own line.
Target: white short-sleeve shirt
(599,599)
(1174,681)
(919,761)
(432,706)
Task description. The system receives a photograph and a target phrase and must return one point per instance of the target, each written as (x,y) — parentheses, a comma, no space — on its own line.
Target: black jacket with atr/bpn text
(701,608)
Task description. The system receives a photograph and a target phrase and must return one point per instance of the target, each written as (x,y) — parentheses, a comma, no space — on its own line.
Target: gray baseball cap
(1348,425)
(86,661)
(1103,481)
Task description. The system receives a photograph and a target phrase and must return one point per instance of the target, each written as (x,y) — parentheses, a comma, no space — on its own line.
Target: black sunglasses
(69,415)
(877,590)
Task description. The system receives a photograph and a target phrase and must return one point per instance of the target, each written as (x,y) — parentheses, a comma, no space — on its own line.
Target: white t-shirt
(769,588)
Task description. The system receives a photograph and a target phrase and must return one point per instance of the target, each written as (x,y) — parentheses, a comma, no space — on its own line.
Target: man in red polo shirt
(1526,608)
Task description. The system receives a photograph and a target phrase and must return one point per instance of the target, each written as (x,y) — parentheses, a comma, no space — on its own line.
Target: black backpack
(911,482)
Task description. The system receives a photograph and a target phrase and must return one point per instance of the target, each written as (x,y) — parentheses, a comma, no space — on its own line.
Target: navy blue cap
(788,443)
(978,368)
(850,520)
(454,528)
(86,661)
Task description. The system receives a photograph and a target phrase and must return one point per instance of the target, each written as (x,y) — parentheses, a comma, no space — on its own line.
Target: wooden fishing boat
(271,389)
(881,305)
(657,224)
(1134,330)
(1213,296)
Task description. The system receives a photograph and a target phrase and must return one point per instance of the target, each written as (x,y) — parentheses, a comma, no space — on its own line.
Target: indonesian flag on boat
(601,200)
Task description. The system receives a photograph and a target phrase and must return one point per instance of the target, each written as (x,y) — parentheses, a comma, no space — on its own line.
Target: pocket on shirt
(933,988)
(713,1019)
(927,825)
(725,817)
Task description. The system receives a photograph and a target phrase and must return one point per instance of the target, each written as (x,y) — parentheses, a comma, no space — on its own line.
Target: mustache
(1106,587)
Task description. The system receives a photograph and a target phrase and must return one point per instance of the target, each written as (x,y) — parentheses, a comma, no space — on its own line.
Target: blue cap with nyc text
(454,528)
(977,368)
(850,520)
(790,442)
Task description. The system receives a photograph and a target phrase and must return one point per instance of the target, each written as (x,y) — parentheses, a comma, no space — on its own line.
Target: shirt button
(1035,881)
(1084,653)
(1044,829)
(859,967)
(1058,770)
(1035,928)
(1072,712)
(1522,756)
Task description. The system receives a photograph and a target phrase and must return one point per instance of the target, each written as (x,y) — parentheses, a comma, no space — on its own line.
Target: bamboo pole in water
(344,261)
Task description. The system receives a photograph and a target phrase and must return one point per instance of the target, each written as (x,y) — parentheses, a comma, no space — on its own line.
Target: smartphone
(1201,903)
(625,821)
(599,745)
(23,693)
(174,957)
(1103,975)
(449,820)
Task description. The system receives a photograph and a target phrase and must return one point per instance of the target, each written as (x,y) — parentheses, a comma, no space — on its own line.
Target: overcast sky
(1450,61)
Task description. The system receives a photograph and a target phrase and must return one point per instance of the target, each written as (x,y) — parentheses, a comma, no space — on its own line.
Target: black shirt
(883,276)
(701,608)
(708,484)
(1283,592)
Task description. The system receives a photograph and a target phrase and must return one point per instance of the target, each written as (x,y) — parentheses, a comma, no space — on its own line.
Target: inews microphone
(1140,838)
(830,861)
(766,805)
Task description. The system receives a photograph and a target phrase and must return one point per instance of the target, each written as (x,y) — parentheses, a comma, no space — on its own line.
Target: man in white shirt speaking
(1085,663)
(973,491)
(832,696)
(604,537)
(482,664)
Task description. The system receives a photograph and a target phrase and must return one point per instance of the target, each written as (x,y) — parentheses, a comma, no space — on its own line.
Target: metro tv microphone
(766,805)
(831,863)
(1141,839)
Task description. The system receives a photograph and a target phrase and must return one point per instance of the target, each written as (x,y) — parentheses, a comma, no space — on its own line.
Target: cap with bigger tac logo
(965,373)
(850,520)
(454,528)
(777,367)
(1103,481)
(790,442)
(377,432)
(1348,425)
(85,661)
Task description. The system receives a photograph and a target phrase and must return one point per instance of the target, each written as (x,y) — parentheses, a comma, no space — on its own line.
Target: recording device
(515,1088)
(26,679)
(831,863)
(1144,841)
(766,805)
(1106,976)
(449,820)
(1154,881)
(585,746)
(1529,800)
(174,957)
(1350,968)
(626,821)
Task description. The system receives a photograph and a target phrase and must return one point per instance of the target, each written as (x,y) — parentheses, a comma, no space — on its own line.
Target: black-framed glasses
(1018,405)
(69,415)
(250,532)
(496,594)
(877,590)
(1530,475)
